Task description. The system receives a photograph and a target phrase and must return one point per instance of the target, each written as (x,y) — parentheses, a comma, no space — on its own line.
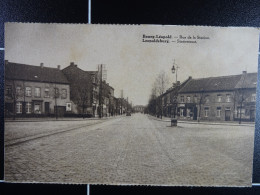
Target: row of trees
(155,104)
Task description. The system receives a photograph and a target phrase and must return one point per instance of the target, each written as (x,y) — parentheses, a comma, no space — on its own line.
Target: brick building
(81,85)
(35,90)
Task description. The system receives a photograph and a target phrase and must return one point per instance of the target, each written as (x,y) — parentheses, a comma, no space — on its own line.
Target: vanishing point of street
(137,149)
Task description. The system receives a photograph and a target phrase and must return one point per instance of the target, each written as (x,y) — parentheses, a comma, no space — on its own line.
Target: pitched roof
(16,71)
(223,83)
(248,80)
(76,75)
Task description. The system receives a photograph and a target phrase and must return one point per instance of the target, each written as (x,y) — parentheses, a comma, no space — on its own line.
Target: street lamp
(175,68)
(174,117)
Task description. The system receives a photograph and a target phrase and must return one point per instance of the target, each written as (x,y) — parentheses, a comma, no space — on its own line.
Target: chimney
(6,62)
(178,83)
(244,72)
(72,64)
(41,65)
(58,67)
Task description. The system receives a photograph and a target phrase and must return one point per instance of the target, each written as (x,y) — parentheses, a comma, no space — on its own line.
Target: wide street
(128,150)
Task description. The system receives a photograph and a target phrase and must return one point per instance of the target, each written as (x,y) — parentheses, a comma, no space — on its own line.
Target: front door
(227,115)
(47,108)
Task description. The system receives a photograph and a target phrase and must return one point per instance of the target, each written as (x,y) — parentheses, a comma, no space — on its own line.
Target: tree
(162,82)
(201,100)
(159,86)
(241,95)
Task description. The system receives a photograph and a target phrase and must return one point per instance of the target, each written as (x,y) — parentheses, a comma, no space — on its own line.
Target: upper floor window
(188,99)
(207,99)
(46,92)
(28,91)
(18,90)
(228,98)
(253,97)
(56,92)
(64,93)
(219,98)
(8,90)
(37,92)
(195,99)
(182,99)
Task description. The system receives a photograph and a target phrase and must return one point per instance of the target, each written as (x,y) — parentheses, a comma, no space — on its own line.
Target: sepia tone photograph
(130,104)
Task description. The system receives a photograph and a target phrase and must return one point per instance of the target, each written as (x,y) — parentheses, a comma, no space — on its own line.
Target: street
(128,150)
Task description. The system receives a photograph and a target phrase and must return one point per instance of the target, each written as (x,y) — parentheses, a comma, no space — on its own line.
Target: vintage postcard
(130,104)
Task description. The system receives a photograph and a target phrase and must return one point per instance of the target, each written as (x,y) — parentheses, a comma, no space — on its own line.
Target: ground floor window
(19,107)
(218,111)
(206,111)
(68,106)
(181,112)
(28,107)
(240,110)
(37,108)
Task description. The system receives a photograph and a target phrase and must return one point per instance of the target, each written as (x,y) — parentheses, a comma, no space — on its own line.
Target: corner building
(35,91)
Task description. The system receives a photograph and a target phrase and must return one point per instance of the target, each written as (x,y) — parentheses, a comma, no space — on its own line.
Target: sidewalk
(230,123)
(46,119)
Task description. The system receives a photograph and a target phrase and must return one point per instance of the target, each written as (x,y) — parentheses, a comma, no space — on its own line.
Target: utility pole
(100,92)
(122,95)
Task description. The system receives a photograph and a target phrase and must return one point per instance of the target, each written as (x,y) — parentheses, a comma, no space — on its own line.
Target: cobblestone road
(129,150)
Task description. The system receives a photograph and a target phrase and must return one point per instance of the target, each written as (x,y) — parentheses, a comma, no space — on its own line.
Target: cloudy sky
(132,65)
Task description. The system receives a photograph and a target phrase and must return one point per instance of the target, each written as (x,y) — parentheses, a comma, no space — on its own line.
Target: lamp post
(174,69)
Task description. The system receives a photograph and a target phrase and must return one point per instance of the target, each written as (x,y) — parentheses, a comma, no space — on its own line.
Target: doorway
(227,115)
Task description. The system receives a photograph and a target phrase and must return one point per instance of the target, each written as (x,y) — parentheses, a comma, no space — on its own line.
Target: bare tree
(241,95)
(161,83)
(201,101)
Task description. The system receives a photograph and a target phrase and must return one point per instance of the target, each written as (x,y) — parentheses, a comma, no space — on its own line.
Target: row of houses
(44,91)
(224,98)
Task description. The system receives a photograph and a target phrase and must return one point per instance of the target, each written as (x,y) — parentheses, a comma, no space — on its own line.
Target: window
(37,92)
(19,107)
(56,92)
(28,91)
(64,93)
(207,99)
(8,91)
(28,108)
(46,92)
(195,99)
(68,106)
(206,111)
(218,111)
(182,99)
(37,108)
(18,90)
(181,112)
(219,98)
(188,99)
(228,98)
(253,98)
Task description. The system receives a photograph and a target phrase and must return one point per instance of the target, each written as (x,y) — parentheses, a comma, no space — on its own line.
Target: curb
(206,123)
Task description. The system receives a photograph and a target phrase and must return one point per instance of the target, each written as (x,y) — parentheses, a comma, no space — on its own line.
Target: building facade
(35,90)
(219,98)
(81,85)
(139,109)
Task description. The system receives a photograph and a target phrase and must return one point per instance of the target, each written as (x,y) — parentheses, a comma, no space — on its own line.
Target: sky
(131,62)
